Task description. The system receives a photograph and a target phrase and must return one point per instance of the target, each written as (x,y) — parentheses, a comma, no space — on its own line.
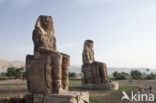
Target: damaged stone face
(47,69)
(43,34)
(88,52)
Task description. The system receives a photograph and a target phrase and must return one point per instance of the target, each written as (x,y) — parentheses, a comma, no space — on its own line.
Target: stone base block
(70,97)
(108,86)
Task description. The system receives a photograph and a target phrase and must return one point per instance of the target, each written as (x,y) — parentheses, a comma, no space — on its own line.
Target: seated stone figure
(47,69)
(94,73)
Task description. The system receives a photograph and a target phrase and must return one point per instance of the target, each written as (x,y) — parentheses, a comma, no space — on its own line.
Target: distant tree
(150,76)
(147,70)
(136,74)
(24,75)
(21,69)
(120,76)
(72,74)
(11,71)
(123,73)
(16,73)
(116,75)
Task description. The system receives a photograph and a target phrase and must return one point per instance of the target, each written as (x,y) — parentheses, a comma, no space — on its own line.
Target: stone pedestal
(70,97)
(105,86)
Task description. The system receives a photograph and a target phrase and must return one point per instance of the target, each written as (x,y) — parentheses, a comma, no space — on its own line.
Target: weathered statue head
(88,44)
(43,34)
(88,52)
(46,23)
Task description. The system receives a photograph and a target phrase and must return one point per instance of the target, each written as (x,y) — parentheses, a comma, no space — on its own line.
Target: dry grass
(12,88)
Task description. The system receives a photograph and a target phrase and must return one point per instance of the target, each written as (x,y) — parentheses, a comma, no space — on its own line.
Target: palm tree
(147,70)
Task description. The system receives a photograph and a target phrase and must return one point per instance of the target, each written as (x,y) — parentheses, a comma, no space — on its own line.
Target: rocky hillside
(4,64)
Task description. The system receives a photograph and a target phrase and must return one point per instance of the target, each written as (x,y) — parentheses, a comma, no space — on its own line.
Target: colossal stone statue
(95,73)
(47,69)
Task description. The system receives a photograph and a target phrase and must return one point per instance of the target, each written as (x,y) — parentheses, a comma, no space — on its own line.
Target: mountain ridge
(5,64)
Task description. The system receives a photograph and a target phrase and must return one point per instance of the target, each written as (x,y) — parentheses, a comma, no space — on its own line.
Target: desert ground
(18,87)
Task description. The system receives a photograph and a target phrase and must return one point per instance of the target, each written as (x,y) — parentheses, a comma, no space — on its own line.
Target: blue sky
(124,31)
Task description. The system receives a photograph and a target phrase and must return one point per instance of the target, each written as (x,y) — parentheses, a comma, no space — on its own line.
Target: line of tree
(17,73)
(120,76)
(134,74)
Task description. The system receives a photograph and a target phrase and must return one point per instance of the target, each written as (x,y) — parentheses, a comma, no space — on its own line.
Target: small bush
(150,76)
(16,73)
(120,76)
(72,74)
(136,74)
